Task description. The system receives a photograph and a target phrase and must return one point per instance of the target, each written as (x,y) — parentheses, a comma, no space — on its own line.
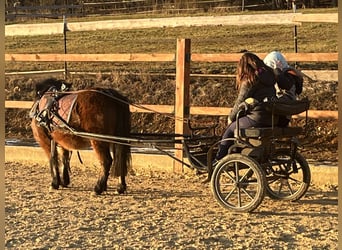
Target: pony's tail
(122,152)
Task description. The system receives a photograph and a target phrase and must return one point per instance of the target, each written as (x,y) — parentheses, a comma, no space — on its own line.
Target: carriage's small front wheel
(238,183)
(287,178)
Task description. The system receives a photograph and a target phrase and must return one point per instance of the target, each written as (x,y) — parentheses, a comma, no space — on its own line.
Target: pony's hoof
(54,186)
(65,184)
(52,189)
(98,190)
(121,189)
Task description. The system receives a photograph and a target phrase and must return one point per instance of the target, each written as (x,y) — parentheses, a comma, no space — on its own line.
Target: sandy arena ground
(161,210)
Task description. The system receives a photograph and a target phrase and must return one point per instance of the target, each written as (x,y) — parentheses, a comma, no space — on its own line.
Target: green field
(312,37)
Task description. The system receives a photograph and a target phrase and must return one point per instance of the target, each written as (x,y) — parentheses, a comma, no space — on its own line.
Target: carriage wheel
(289,180)
(238,183)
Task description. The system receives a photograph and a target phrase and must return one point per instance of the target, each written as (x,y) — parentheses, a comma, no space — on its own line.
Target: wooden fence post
(182,96)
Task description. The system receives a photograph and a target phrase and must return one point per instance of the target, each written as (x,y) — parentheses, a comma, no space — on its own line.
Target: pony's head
(51,84)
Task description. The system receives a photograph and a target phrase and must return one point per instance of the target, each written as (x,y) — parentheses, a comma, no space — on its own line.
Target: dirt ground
(159,211)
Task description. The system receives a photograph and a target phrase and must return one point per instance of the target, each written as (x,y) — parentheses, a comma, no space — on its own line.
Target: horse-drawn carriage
(261,161)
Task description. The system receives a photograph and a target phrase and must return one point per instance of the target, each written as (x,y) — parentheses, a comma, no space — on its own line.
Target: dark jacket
(288,77)
(263,90)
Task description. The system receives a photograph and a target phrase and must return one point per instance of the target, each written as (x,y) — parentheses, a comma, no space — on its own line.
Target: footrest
(270,132)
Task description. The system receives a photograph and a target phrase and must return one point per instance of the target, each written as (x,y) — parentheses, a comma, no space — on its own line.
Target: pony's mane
(45,85)
(112,92)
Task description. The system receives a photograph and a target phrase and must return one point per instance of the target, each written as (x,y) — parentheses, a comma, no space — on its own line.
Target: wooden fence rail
(194,110)
(256,19)
(182,58)
(155,57)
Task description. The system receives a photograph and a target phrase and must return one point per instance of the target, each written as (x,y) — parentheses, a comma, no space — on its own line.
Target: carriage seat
(266,132)
(278,108)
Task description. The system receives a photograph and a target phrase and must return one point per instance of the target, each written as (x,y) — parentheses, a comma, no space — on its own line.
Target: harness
(53,109)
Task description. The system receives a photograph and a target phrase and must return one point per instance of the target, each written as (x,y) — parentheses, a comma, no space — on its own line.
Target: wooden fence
(187,21)
(183,58)
(84,8)
(13,9)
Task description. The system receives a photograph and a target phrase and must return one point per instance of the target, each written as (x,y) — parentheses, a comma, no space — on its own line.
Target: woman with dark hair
(255,83)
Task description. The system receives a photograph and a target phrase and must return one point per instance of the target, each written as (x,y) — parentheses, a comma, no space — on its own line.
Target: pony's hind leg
(103,154)
(120,165)
(65,181)
(122,186)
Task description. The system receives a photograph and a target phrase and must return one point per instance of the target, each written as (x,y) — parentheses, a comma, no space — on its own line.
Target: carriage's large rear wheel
(288,179)
(238,183)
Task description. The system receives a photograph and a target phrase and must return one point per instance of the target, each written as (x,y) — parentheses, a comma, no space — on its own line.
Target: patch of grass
(312,37)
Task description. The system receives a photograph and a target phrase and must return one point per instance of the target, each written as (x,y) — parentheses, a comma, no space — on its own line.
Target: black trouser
(244,122)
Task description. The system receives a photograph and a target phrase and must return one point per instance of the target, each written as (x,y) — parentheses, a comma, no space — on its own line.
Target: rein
(186,120)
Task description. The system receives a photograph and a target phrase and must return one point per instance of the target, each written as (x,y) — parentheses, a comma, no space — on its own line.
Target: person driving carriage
(289,81)
(255,82)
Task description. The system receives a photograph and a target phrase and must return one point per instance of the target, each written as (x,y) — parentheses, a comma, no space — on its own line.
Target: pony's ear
(65,86)
(40,90)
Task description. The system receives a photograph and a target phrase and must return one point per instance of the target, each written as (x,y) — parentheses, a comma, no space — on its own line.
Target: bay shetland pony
(90,111)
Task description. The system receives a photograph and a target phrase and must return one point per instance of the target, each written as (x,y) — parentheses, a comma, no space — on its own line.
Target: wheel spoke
(229,175)
(229,194)
(272,179)
(243,178)
(247,193)
(236,171)
(290,188)
(227,185)
(239,197)
(295,180)
(280,188)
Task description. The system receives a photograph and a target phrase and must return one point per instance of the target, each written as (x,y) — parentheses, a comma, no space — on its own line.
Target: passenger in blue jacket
(254,81)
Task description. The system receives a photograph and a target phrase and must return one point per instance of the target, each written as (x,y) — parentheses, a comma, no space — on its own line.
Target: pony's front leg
(56,180)
(65,181)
